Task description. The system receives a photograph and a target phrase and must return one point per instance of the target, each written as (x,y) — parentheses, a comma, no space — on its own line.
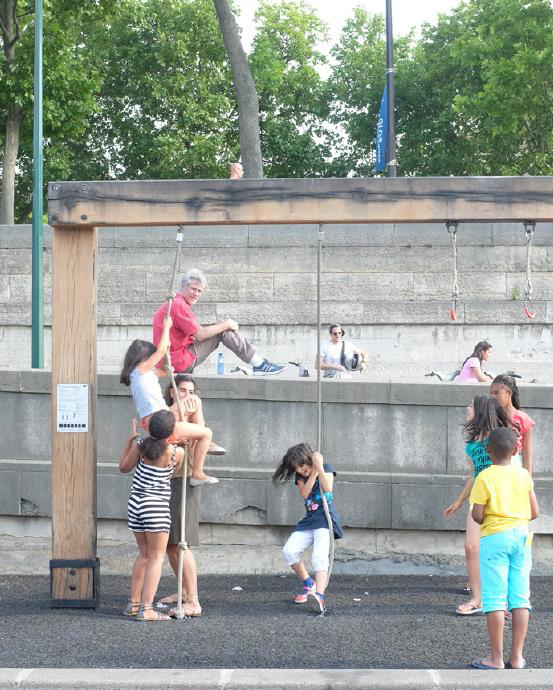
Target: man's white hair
(193,275)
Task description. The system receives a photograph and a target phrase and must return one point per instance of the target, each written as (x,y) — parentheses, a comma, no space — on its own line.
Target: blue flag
(382,134)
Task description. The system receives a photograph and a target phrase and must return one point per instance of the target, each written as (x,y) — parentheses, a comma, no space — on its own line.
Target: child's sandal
(158,617)
(131,609)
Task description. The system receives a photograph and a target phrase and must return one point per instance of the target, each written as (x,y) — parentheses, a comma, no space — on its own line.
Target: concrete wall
(397,447)
(388,284)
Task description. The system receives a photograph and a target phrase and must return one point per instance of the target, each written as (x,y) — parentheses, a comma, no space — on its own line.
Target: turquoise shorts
(505,563)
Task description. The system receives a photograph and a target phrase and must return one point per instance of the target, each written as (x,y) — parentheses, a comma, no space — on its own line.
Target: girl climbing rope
(484,414)
(140,374)
(153,462)
(313,479)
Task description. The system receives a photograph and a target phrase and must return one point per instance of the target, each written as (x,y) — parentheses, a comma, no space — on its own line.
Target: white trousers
(300,540)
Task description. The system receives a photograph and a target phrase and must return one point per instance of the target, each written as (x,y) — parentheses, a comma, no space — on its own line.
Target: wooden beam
(74,302)
(353,200)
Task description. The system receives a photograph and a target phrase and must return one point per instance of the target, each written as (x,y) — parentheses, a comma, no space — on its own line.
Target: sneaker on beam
(267,368)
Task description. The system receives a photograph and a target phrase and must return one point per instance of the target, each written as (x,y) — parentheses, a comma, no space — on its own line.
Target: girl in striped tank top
(153,461)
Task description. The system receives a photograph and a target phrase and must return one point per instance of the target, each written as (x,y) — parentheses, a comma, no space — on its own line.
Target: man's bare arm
(205,332)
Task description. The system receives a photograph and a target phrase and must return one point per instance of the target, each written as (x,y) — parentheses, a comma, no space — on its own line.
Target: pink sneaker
(301,598)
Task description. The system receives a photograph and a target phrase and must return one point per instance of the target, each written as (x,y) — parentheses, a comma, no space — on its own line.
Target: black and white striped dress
(148,507)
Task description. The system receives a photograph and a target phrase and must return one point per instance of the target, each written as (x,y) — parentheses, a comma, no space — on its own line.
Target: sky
(406,14)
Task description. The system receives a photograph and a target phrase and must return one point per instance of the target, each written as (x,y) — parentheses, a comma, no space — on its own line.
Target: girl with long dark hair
(471,369)
(312,477)
(484,414)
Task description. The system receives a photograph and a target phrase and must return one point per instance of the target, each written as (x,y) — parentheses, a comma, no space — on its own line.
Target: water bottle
(220,364)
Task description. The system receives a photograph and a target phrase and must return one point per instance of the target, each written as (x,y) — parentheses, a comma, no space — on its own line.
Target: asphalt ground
(378,622)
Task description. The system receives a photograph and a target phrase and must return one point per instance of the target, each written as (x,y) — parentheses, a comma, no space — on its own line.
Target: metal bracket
(74,564)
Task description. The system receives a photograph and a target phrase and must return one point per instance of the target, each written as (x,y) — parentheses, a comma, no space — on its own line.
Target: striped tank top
(153,481)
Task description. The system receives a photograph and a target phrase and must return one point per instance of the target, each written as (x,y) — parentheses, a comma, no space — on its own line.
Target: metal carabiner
(452,226)
(529,228)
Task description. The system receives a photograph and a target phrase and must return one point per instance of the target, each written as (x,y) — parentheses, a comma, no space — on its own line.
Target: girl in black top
(312,477)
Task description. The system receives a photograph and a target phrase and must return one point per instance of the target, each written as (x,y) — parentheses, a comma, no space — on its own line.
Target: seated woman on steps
(471,369)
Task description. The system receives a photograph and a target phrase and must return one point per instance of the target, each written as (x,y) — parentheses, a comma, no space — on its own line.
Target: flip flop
(471,610)
(481,666)
(513,668)
(201,482)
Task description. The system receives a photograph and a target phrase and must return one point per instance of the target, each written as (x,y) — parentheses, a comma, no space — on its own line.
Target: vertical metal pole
(319,398)
(319,390)
(392,163)
(37,310)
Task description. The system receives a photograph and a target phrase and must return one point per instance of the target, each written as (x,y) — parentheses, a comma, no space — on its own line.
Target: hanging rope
(529,228)
(319,400)
(183,546)
(452,226)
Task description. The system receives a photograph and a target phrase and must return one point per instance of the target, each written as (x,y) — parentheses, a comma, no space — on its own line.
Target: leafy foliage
(287,66)
(142,89)
(70,85)
(166,108)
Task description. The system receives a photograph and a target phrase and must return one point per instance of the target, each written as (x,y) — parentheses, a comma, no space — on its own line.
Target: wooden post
(73,569)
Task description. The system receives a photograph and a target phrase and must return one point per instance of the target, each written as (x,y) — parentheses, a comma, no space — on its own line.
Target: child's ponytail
(153,448)
(162,425)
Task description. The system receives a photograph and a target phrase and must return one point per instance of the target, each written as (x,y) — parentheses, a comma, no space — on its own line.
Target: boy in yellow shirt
(504,502)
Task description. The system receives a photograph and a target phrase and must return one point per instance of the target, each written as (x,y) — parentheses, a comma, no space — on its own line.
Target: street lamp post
(37,334)
(392,163)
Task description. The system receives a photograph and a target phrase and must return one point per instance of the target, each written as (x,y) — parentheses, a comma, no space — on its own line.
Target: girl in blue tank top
(484,414)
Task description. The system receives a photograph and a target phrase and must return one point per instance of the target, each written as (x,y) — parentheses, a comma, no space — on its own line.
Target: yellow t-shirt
(505,491)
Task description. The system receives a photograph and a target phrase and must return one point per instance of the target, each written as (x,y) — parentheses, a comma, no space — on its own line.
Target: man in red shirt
(191,343)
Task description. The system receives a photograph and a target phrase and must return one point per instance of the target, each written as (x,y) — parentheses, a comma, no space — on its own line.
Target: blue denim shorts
(505,563)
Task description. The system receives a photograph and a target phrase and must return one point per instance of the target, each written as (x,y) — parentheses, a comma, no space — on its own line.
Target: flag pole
(392,163)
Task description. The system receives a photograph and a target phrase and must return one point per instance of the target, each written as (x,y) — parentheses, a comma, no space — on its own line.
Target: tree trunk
(11,147)
(14,116)
(246,94)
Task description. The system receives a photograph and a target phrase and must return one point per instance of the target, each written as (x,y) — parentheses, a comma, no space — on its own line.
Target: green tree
(482,92)
(474,95)
(287,63)
(166,107)
(506,110)
(70,87)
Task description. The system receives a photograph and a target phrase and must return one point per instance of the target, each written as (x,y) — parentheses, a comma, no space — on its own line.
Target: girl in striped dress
(153,461)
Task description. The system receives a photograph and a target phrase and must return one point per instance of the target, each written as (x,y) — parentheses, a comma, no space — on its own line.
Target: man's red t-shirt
(182,333)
